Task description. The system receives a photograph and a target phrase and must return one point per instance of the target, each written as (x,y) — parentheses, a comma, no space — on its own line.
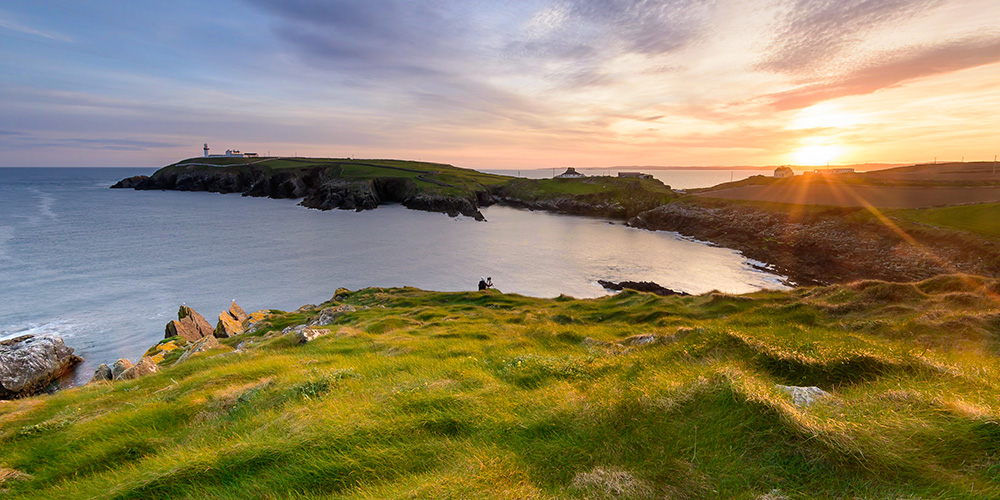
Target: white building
(230,153)
(782,172)
(570,173)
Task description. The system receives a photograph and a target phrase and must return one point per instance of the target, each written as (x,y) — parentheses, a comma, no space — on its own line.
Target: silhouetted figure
(485,283)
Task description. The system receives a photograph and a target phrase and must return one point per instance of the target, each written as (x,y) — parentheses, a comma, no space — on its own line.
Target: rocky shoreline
(826,247)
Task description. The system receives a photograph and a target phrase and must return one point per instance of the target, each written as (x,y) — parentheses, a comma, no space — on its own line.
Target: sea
(106,269)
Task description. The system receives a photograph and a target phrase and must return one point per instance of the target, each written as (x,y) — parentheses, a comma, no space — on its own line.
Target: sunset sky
(501,84)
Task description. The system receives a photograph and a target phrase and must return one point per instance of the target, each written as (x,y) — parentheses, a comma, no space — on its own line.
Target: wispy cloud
(813,32)
(895,68)
(7,23)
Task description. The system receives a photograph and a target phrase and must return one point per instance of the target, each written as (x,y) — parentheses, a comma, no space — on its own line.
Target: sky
(503,83)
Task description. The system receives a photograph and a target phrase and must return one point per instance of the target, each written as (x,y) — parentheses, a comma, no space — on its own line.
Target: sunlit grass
(487,395)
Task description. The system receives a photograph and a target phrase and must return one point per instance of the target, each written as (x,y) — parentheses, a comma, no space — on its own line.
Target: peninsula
(815,229)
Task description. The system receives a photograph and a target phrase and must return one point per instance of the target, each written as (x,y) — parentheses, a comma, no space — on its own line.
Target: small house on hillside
(636,175)
(782,172)
(570,173)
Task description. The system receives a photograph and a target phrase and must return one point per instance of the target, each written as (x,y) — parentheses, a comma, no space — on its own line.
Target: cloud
(813,32)
(12,25)
(894,69)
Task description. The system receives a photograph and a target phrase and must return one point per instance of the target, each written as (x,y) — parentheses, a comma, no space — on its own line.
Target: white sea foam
(45,202)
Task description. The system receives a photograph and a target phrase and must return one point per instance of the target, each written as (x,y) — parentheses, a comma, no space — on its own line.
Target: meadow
(418,394)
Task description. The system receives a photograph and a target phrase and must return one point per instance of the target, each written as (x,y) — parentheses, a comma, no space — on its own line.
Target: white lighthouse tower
(206,150)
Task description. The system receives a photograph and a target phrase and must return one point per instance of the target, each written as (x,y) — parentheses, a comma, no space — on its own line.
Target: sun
(816,155)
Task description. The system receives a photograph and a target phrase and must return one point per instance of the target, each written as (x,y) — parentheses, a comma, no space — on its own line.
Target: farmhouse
(782,172)
(570,173)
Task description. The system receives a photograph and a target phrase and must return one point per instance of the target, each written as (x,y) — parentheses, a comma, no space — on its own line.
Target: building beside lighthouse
(230,153)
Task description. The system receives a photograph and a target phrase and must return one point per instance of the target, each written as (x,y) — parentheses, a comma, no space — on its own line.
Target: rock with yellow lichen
(255,321)
(189,324)
(230,322)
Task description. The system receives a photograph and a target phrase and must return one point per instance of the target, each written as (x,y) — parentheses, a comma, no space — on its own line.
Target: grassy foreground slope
(432,395)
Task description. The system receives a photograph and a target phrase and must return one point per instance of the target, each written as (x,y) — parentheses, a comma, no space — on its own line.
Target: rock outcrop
(310,334)
(189,324)
(131,182)
(230,322)
(328,315)
(255,321)
(31,363)
(200,346)
(640,286)
(144,367)
(119,367)
(102,374)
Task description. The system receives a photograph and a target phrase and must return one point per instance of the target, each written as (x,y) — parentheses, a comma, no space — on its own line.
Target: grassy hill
(436,178)
(422,394)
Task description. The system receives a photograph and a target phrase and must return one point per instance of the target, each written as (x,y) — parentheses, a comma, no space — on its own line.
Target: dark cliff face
(319,188)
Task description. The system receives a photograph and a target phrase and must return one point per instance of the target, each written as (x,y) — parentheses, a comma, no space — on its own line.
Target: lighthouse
(206,150)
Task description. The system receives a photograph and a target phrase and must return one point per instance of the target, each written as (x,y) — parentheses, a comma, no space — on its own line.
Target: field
(484,395)
(982,219)
(823,190)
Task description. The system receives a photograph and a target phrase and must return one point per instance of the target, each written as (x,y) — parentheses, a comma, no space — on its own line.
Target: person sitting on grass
(485,283)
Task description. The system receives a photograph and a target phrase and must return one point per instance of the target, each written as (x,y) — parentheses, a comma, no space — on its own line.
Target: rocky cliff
(825,247)
(319,187)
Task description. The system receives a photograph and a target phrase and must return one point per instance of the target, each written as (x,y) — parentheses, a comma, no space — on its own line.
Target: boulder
(145,367)
(199,346)
(102,374)
(255,321)
(803,396)
(328,315)
(30,363)
(189,324)
(309,334)
(230,322)
(119,367)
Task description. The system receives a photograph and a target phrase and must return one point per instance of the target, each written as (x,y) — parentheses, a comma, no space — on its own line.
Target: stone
(119,367)
(145,367)
(309,334)
(202,345)
(102,374)
(803,396)
(189,324)
(328,315)
(30,363)
(637,340)
(255,321)
(230,322)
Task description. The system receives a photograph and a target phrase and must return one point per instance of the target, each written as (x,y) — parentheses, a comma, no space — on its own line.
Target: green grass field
(486,395)
(982,219)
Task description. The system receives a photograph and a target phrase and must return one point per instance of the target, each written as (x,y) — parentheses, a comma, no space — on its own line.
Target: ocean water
(107,268)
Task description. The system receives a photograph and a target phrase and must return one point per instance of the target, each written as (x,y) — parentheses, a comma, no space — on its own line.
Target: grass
(981,219)
(485,395)
(429,177)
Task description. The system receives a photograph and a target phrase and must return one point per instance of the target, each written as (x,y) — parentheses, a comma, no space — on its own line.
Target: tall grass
(485,395)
